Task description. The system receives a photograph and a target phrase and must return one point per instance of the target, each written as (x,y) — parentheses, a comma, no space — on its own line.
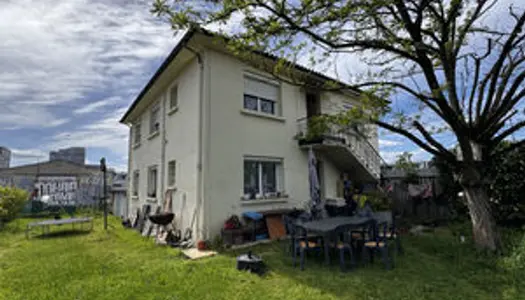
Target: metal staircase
(347,149)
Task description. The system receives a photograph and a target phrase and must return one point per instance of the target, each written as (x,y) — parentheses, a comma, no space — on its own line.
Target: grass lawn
(120,264)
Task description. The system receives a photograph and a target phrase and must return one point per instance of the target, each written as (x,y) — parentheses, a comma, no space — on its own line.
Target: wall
(78,190)
(181,145)
(236,133)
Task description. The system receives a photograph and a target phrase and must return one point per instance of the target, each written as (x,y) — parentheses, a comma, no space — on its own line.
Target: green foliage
(404,162)
(507,184)
(504,176)
(378,200)
(12,201)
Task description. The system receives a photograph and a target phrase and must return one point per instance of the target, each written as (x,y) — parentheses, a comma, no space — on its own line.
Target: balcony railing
(314,132)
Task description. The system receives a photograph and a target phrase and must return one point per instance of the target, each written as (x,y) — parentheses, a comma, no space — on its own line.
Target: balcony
(349,150)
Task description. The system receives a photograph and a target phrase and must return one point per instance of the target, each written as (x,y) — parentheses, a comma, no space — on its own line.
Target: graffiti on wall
(60,189)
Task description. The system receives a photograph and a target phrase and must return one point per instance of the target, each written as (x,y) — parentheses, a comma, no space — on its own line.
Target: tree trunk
(484,230)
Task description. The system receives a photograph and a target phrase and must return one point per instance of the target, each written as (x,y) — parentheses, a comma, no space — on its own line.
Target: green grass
(120,264)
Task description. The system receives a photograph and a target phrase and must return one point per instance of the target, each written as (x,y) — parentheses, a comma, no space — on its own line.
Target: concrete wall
(181,128)
(71,190)
(236,133)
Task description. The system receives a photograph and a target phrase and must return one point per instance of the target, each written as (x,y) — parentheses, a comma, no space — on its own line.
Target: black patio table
(328,226)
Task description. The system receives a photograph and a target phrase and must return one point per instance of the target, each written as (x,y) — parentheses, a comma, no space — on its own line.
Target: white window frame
(279,175)
(170,104)
(152,182)
(135,181)
(137,132)
(276,102)
(172,174)
(152,128)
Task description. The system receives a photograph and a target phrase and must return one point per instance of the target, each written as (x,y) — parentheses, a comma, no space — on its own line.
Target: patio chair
(300,241)
(344,244)
(373,243)
(389,232)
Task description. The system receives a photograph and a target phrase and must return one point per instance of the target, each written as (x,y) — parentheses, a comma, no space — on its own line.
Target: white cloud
(106,133)
(27,156)
(389,143)
(54,53)
(417,155)
(23,115)
(94,106)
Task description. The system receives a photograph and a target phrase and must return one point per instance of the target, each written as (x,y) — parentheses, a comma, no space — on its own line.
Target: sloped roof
(187,37)
(51,168)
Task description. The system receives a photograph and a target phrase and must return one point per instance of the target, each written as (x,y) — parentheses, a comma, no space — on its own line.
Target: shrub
(12,201)
(378,200)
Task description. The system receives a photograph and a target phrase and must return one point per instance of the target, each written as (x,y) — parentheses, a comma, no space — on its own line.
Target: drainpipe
(200,146)
(130,175)
(163,149)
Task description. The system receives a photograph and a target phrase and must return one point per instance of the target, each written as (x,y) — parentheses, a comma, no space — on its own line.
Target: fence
(421,209)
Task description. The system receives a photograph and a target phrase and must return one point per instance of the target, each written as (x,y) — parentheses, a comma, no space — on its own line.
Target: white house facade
(224,137)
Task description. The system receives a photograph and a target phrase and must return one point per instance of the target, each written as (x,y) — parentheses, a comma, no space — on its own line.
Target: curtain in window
(269,177)
(251,174)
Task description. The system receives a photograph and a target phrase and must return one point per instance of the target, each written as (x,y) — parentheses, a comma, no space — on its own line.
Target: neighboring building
(5,157)
(118,198)
(425,171)
(223,131)
(74,154)
(64,182)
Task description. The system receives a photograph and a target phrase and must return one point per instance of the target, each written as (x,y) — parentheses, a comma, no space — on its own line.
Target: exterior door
(313,105)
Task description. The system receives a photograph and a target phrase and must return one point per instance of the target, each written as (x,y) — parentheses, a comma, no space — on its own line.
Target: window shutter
(261,89)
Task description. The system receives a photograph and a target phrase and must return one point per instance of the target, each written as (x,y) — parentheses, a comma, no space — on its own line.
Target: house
(223,137)
(63,181)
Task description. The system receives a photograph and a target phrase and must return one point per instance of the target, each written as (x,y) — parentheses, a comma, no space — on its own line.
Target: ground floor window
(152,182)
(263,177)
(135,183)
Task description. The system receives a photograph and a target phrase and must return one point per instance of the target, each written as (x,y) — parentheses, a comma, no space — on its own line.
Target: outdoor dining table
(328,226)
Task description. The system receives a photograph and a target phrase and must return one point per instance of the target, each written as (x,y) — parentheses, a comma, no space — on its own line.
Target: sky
(70,69)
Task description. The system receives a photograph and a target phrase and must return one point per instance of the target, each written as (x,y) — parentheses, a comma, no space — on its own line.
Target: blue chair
(388,232)
(373,243)
(343,245)
(300,241)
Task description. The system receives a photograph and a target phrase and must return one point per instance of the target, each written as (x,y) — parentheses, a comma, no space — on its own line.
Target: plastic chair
(344,244)
(388,232)
(300,242)
(373,243)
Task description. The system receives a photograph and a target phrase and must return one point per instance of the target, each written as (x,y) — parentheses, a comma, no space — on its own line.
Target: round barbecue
(162,218)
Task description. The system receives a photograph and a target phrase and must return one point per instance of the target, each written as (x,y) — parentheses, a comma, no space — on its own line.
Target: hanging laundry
(428,192)
(416,190)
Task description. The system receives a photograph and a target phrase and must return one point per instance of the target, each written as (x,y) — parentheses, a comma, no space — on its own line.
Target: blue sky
(71,68)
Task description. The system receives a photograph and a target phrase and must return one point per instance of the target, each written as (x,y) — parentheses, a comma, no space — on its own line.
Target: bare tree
(435,52)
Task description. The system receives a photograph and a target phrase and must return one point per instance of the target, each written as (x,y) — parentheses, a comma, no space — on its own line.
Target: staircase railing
(359,144)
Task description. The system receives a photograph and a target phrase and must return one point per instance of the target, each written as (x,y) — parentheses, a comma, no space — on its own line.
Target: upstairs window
(137,135)
(154,124)
(261,96)
(174,97)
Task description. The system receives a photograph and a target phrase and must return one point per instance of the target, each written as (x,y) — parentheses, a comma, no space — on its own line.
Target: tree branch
(432,141)
(413,138)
